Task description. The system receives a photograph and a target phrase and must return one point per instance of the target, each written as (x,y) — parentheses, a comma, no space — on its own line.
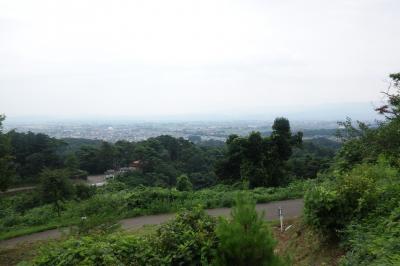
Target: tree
(246,239)
(183,183)
(55,187)
(261,161)
(87,157)
(391,110)
(7,170)
(34,152)
(106,157)
(71,162)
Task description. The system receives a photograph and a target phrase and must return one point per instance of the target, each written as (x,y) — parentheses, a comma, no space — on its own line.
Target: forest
(164,158)
(350,188)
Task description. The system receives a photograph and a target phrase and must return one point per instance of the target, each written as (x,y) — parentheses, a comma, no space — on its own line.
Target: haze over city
(196,59)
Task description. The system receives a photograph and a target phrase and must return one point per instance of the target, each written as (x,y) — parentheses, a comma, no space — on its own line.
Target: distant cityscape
(137,131)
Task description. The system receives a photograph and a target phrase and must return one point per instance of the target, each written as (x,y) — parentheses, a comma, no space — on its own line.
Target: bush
(374,240)
(183,183)
(246,239)
(115,200)
(192,238)
(330,207)
(83,191)
(116,249)
(189,239)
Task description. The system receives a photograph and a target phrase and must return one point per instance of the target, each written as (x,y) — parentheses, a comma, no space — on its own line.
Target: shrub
(96,224)
(83,191)
(117,201)
(374,241)
(331,206)
(189,239)
(55,187)
(246,239)
(183,183)
(116,249)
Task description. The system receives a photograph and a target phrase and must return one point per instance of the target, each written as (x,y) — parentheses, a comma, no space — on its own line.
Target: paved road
(97,180)
(291,209)
(18,189)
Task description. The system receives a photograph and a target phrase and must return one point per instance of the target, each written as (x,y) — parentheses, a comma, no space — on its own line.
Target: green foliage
(331,206)
(116,249)
(312,157)
(360,208)
(391,110)
(246,239)
(192,238)
(74,144)
(183,183)
(189,239)
(261,161)
(361,205)
(17,213)
(367,144)
(83,191)
(96,224)
(55,187)
(71,162)
(162,159)
(7,170)
(96,160)
(32,153)
(374,240)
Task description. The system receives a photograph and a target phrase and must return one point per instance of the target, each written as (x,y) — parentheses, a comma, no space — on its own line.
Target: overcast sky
(152,58)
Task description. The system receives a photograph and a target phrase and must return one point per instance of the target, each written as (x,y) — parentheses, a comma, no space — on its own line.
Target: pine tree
(246,239)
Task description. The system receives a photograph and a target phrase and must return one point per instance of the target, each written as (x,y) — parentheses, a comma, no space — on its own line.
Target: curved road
(291,209)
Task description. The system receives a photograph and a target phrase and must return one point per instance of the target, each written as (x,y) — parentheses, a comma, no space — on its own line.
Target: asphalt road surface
(291,209)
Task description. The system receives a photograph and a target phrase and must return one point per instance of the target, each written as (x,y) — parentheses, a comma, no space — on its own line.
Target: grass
(27,231)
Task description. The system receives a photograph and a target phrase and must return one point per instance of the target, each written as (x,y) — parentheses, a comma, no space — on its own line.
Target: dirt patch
(22,252)
(304,247)
(94,179)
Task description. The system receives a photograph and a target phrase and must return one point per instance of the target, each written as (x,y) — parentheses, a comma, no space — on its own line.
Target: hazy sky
(144,58)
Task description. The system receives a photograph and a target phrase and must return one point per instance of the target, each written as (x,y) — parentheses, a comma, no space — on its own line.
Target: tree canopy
(55,187)
(6,159)
(261,161)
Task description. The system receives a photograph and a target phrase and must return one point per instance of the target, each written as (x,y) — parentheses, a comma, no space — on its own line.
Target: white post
(281,217)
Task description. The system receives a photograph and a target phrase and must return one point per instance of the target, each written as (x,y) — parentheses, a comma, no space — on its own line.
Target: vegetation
(162,160)
(183,183)
(192,238)
(351,192)
(358,203)
(259,160)
(170,174)
(263,161)
(55,187)
(6,166)
(32,153)
(23,214)
(312,157)
(245,240)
